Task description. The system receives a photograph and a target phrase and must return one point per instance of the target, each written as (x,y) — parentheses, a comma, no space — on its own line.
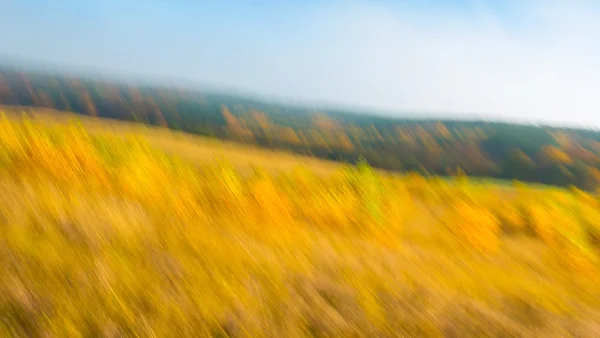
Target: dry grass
(102,237)
(192,148)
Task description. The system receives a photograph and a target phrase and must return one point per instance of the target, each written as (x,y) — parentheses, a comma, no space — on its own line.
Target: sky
(517,60)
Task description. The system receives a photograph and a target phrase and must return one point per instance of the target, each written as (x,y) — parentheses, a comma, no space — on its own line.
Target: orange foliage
(554,154)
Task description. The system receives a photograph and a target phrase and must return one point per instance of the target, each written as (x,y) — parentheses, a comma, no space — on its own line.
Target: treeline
(556,156)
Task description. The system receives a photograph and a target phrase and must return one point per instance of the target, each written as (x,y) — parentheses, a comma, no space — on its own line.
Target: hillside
(104,234)
(557,156)
(197,150)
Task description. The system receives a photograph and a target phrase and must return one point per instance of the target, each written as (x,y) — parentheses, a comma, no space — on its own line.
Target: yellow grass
(192,148)
(100,236)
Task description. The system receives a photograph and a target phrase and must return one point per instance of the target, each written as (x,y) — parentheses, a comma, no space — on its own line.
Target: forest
(104,235)
(550,155)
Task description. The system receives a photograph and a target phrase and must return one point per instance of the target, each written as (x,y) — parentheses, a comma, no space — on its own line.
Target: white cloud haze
(538,62)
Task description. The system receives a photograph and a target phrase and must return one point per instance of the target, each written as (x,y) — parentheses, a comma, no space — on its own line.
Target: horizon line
(161,81)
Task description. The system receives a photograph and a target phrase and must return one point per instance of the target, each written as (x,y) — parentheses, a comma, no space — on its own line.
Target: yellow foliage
(511,217)
(106,236)
(476,226)
(542,223)
(269,202)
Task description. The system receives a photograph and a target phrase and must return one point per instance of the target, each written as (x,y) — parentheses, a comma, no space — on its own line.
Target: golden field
(192,148)
(117,230)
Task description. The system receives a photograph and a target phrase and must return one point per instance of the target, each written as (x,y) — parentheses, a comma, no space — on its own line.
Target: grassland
(111,229)
(192,148)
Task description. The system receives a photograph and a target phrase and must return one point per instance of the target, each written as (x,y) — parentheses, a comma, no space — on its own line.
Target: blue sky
(527,60)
